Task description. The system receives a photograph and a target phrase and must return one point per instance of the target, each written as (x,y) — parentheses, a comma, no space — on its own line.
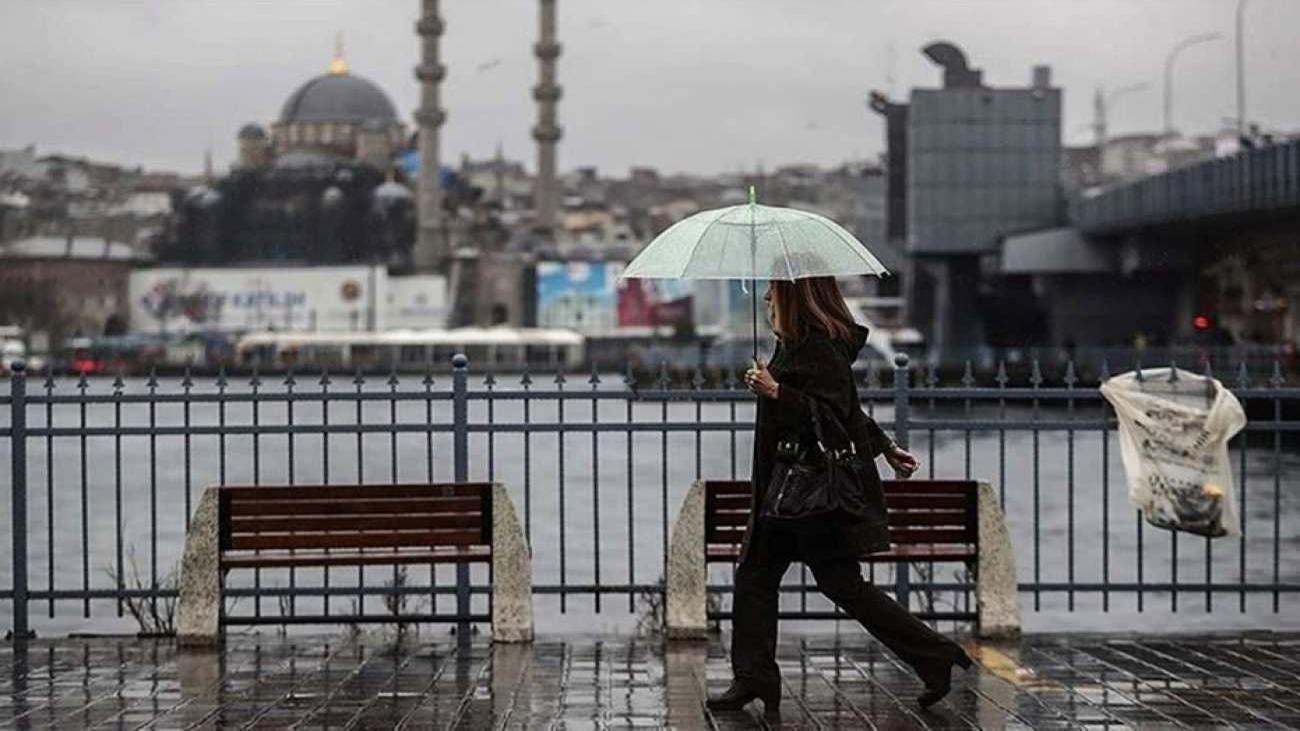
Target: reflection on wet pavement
(848,681)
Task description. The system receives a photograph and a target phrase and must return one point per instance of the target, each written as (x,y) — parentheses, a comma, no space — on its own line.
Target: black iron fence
(103,475)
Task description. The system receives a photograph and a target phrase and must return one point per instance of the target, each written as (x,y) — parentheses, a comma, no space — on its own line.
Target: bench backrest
(354,516)
(929,512)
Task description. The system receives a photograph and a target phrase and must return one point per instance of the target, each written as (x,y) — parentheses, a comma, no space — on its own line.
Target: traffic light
(1201,323)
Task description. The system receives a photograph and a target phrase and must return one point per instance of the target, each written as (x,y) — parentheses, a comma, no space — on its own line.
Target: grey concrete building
(980,162)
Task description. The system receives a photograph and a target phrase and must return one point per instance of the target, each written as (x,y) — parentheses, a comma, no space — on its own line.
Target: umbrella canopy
(752,241)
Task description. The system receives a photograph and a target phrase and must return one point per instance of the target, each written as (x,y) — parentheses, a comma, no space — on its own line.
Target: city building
(980,161)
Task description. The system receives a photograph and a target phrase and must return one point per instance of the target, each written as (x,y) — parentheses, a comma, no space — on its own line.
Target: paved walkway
(1245,681)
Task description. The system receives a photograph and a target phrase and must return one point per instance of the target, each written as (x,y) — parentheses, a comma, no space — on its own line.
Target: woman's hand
(905,463)
(759,380)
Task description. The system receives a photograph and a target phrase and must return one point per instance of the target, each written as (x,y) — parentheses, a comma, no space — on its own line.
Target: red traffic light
(1201,322)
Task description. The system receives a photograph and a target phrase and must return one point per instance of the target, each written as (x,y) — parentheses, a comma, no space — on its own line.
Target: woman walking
(817,341)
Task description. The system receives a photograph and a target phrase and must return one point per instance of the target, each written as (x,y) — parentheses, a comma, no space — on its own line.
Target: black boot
(739,694)
(938,684)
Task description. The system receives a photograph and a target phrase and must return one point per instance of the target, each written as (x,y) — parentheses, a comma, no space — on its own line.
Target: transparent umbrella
(752,241)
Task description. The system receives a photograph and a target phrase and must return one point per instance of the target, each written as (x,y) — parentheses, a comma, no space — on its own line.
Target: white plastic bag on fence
(1174,427)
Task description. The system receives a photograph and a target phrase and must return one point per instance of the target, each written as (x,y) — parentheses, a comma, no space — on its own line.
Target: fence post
(460,467)
(902,579)
(18,462)
(902,409)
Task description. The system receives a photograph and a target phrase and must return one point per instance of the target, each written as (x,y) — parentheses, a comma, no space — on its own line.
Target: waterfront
(1248,680)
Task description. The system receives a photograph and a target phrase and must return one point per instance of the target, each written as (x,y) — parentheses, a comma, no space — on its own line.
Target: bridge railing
(1258,180)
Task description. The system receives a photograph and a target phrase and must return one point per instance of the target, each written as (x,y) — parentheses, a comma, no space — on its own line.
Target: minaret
(499,175)
(547,132)
(431,246)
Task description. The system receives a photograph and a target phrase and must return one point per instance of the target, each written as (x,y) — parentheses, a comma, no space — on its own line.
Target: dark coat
(820,367)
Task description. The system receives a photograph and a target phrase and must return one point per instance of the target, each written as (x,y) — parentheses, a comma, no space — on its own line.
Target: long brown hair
(803,304)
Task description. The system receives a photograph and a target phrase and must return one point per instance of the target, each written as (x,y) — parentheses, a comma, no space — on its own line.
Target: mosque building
(319,186)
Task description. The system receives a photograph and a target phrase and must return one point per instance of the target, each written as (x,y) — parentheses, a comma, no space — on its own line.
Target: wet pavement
(831,681)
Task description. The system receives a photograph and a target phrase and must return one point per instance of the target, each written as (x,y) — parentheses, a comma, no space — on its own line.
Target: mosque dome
(339,96)
(252,131)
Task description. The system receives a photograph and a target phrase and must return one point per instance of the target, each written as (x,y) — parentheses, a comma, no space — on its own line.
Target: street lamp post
(1241,74)
(1169,73)
(1102,105)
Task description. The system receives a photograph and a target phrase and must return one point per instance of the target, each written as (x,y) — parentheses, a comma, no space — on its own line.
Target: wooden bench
(930,521)
(257,527)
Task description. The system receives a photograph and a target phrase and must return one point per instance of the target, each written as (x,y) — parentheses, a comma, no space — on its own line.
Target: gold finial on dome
(338,66)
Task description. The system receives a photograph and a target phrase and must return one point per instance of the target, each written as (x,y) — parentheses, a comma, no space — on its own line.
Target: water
(605,505)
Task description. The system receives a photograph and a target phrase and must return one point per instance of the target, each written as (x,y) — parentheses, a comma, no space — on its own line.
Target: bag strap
(820,413)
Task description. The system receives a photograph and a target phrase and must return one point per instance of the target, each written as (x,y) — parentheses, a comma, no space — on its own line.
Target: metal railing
(102,469)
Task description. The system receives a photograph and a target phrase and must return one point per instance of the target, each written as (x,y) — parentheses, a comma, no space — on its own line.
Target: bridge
(1256,185)
(1208,253)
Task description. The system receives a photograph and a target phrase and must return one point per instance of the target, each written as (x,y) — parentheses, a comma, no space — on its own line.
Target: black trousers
(770,552)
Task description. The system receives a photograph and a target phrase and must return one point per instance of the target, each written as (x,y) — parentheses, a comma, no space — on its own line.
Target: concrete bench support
(996,592)
(686,592)
(199,609)
(512,572)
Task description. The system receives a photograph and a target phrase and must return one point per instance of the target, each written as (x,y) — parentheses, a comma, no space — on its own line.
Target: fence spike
(1071,377)
(1243,375)
(49,380)
(526,379)
(490,376)
(1277,379)
(118,381)
(931,375)
(873,378)
(1105,368)
(82,383)
(358,377)
(730,381)
(186,381)
(152,381)
(967,376)
(594,379)
(393,380)
(663,382)
(560,378)
(325,380)
(221,376)
(1035,374)
(1001,377)
(1208,371)
(289,380)
(697,379)
(256,379)
(1173,372)
(629,375)
(427,381)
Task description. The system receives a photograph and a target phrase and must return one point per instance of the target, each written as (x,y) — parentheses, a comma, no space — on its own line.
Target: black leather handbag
(810,492)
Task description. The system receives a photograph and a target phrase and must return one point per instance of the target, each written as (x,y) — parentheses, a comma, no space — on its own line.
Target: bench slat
(719,553)
(355,539)
(473,554)
(353,522)
(395,506)
(355,492)
(927,487)
(928,517)
(930,535)
(926,502)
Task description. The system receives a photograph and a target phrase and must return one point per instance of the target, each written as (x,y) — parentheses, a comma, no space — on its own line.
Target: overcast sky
(684,85)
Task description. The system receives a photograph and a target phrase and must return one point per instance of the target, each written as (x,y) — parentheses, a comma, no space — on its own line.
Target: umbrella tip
(753,198)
